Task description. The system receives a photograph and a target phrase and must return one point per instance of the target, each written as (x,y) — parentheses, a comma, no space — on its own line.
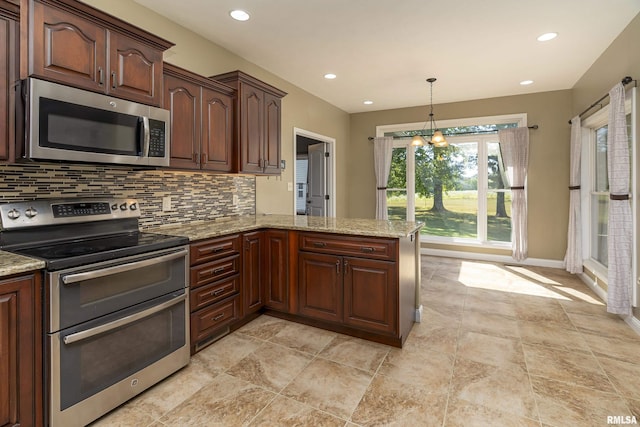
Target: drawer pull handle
(218,317)
(319,244)
(367,249)
(218,270)
(218,249)
(217,292)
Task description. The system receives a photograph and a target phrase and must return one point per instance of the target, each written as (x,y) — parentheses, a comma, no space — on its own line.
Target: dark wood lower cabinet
(20,351)
(252,272)
(370,294)
(276,275)
(352,291)
(320,286)
(362,286)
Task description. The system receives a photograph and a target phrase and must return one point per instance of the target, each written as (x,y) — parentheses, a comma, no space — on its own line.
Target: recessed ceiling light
(526,82)
(239,15)
(547,36)
(368,102)
(330,76)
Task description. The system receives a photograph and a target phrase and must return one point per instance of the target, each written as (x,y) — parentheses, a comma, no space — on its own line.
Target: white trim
(519,118)
(632,321)
(331,169)
(504,259)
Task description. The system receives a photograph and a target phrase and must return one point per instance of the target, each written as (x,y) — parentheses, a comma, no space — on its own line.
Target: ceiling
(384,50)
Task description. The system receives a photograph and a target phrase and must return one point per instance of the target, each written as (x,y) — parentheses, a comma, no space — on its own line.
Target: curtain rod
(457,133)
(624,81)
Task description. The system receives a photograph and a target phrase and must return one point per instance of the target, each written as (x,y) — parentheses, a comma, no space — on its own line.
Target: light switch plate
(289,186)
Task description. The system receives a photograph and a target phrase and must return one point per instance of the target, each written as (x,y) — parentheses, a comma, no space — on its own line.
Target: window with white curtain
(458,191)
(595,186)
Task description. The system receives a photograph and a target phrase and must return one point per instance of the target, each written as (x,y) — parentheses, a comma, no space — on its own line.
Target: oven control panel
(52,212)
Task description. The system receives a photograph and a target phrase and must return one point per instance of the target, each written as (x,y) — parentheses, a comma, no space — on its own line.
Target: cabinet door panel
(68,49)
(183,100)
(277,269)
(217,131)
(272,153)
(370,294)
(251,142)
(19,387)
(6,77)
(252,272)
(136,70)
(320,286)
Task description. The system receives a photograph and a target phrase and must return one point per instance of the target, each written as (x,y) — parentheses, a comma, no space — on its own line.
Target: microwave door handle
(145,136)
(83,335)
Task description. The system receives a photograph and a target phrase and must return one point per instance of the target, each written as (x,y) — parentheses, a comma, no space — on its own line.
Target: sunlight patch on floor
(475,276)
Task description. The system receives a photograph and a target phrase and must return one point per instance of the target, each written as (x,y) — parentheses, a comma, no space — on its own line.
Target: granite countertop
(356,227)
(14,264)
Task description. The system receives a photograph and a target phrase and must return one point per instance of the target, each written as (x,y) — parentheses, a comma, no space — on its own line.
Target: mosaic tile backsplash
(194,195)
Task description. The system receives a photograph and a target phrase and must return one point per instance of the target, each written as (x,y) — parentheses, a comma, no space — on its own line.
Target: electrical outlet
(166,203)
(289,186)
(234,201)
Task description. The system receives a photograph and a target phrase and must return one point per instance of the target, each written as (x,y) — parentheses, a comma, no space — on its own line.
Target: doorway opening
(314,172)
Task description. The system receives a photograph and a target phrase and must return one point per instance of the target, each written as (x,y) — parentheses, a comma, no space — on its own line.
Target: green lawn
(460,219)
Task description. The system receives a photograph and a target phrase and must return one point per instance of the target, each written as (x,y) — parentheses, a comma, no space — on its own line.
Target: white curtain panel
(573,257)
(620,226)
(514,144)
(382,153)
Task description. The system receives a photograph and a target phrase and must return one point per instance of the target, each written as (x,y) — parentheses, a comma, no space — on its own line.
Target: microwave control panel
(157,139)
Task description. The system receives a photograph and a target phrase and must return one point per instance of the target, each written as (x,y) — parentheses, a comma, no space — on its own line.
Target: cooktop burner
(80,252)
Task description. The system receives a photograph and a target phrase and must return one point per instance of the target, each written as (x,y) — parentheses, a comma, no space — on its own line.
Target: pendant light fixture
(437,138)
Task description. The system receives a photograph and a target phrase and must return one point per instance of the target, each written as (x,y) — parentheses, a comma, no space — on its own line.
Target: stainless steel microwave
(68,124)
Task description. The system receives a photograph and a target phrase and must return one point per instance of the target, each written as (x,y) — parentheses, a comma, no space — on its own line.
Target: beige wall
(548,170)
(299,108)
(620,59)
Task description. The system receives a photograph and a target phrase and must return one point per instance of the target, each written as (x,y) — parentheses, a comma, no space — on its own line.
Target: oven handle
(83,335)
(79,277)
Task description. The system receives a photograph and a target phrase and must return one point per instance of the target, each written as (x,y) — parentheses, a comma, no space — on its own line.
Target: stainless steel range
(116,301)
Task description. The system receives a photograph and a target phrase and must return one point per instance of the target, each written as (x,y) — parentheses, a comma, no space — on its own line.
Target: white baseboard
(536,262)
(418,316)
(632,321)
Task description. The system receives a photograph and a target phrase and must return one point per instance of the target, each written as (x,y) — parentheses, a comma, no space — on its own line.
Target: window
(457,191)
(596,183)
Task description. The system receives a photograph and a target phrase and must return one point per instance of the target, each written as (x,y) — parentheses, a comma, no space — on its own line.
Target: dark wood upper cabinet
(9,16)
(72,43)
(258,123)
(201,121)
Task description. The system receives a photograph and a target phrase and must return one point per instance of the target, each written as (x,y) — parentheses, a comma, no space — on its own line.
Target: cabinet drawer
(207,321)
(213,271)
(364,247)
(206,295)
(213,249)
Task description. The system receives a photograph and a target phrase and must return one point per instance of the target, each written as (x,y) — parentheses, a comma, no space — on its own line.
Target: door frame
(331,167)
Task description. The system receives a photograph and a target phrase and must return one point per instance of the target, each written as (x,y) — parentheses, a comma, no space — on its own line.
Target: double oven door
(114,329)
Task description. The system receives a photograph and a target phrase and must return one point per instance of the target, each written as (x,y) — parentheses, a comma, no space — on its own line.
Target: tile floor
(498,345)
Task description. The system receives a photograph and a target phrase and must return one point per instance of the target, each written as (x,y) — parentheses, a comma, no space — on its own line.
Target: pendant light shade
(417,141)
